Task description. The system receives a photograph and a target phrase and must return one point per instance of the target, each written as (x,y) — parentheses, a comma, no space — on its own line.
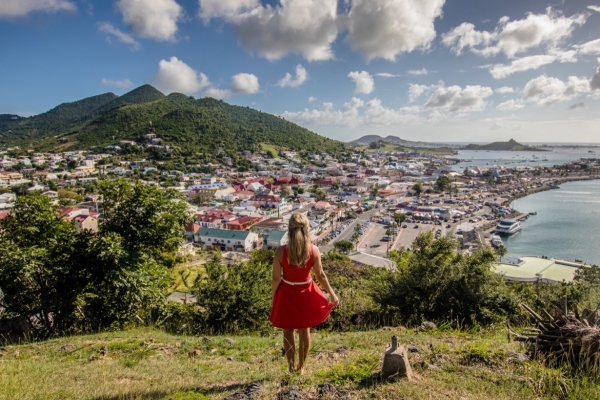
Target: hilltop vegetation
(193,128)
(511,145)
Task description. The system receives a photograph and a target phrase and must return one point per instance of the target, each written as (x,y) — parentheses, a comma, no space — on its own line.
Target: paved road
(349,231)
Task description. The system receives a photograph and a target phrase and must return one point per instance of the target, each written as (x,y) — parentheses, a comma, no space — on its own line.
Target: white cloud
(176,76)
(301,76)
(496,126)
(121,36)
(121,84)
(504,90)
(311,99)
(20,8)
(225,8)
(592,47)
(510,105)
(455,99)
(374,114)
(156,19)
(594,8)
(500,71)
(415,90)
(217,93)
(545,90)
(386,75)
(306,27)
(363,80)
(466,36)
(514,37)
(244,83)
(422,71)
(386,28)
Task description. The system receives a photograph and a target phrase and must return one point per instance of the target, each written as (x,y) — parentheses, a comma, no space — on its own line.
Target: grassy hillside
(150,364)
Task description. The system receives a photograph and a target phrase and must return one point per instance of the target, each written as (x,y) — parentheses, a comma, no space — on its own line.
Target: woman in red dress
(298,304)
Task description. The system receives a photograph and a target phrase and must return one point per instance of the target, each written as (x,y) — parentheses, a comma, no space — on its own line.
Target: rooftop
(531,269)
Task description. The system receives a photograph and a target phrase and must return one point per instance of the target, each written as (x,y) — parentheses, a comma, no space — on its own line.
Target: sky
(431,70)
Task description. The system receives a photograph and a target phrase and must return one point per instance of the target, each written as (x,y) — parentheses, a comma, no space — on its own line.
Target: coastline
(519,214)
(559,182)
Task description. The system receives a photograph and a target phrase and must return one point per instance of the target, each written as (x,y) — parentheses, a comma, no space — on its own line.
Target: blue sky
(433,70)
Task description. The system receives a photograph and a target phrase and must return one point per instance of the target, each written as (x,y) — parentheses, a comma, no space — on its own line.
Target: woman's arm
(276,279)
(321,277)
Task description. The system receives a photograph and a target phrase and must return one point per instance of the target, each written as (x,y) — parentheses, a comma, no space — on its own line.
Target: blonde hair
(298,240)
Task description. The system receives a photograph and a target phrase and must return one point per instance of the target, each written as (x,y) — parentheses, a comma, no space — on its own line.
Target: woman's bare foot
(300,369)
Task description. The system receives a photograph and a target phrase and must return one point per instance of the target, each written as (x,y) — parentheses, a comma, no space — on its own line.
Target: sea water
(567,224)
(511,159)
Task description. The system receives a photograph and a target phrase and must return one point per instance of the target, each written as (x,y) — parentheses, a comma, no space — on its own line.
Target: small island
(511,145)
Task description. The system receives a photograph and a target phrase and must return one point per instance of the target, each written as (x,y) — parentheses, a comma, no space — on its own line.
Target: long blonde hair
(298,240)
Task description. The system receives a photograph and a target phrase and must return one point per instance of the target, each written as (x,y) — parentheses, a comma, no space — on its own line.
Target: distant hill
(511,145)
(197,130)
(366,140)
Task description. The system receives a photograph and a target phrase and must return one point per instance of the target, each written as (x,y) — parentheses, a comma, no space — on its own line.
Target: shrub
(437,283)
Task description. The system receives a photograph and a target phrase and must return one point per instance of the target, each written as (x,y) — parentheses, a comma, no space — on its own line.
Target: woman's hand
(334,299)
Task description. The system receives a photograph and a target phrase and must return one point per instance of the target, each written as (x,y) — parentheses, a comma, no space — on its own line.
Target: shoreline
(543,189)
(529,192)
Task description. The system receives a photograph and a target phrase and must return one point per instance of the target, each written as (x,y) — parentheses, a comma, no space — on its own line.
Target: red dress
(298,306)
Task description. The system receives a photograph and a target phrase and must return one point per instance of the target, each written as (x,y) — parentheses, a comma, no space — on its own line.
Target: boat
(496,240)
(533,213)
(508,227)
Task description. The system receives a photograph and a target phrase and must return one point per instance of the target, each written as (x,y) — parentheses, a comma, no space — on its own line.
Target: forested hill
(58,119)
(193,128)
(511,145)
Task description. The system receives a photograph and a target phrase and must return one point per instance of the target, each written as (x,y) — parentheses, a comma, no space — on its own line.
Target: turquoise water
(567,224)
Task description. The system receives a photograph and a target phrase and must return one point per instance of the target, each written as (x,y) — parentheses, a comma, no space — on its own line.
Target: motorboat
(496,240)
(508,227)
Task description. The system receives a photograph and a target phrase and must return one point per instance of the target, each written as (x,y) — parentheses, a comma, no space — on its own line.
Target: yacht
(496,240)
(508,227)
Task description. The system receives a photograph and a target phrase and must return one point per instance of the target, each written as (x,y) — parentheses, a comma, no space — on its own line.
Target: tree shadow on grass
(191,393)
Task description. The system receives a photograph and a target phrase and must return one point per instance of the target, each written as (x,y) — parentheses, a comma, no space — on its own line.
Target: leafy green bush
(235,297)
(437,283)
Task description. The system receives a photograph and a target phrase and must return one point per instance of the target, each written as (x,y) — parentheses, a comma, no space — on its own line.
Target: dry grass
(151,364)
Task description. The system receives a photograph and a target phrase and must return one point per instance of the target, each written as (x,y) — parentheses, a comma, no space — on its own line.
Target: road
(349,231)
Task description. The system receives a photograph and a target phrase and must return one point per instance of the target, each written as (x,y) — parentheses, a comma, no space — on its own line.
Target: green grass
(267,147)
(185,276)
(144,363)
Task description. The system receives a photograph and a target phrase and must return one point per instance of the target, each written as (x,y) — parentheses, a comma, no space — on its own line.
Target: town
(367,202)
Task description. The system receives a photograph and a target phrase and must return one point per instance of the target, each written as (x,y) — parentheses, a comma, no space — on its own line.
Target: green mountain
(196,130)
(58,119)
(511,145)
(140,95)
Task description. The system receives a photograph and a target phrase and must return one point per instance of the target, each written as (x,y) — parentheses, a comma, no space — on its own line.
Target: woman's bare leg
(304,347)
(289,347)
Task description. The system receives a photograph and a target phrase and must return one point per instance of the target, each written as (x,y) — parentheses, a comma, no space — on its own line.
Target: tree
(68,197)
(443,183)
(501,251)
(418,189)
(400,217)
(374,190)
(235,296)
(65,281)
(285,191)
(344,246)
